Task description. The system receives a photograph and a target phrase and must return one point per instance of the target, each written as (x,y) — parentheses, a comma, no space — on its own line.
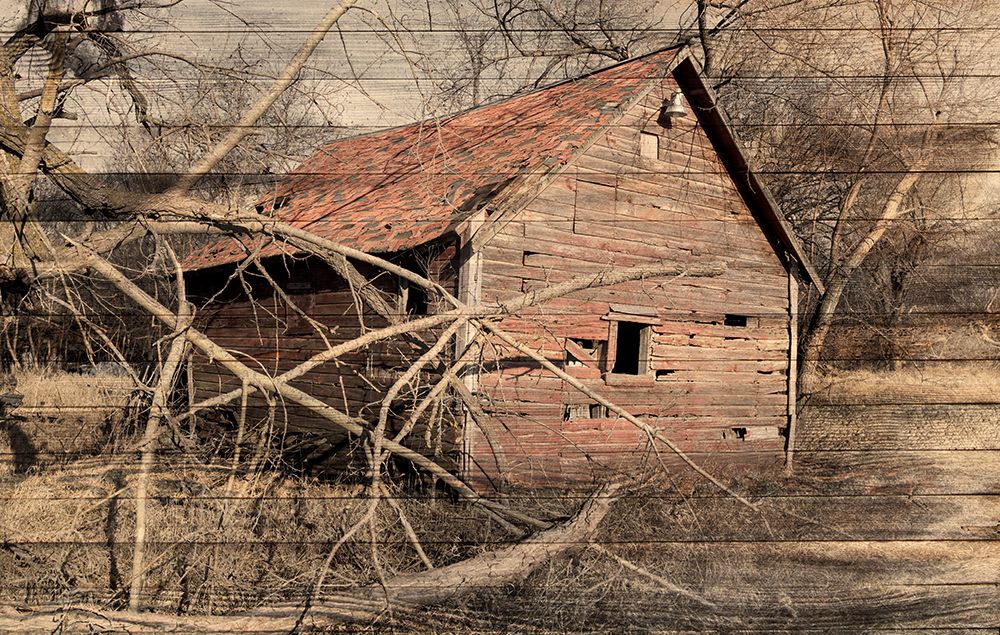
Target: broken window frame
(646,318)
(585,411)
(578,355)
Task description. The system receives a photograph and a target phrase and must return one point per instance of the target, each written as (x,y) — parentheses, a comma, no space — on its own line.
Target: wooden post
(793,362)
(470,270)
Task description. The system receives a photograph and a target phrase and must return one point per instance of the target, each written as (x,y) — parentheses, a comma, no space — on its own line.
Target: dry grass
(64,414)
(71,532)
(57,394)
(69,535)
(951,382)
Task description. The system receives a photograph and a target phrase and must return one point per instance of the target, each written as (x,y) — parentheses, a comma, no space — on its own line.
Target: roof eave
(702,99)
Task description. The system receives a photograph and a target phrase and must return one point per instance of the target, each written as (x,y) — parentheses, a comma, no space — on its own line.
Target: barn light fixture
(673,107)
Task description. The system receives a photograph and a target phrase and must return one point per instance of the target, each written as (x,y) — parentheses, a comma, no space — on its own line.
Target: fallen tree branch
(403,593)
(651,431)
(227,360)
(660,580)
(158,411)
(505,307)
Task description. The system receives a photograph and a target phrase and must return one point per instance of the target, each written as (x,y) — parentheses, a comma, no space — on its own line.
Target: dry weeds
(939,382)
(64,413)
(68,536)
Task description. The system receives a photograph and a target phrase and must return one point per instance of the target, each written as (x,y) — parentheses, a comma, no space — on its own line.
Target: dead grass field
(66,414)
(943,382)
(862,537)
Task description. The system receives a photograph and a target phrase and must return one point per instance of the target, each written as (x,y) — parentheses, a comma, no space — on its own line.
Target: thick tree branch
(227,360)
(402,593)
(243,127)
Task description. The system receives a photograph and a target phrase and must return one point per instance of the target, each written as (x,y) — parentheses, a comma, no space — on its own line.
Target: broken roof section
(403,187)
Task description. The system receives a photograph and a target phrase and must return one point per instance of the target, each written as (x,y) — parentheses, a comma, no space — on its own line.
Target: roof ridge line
(682,48)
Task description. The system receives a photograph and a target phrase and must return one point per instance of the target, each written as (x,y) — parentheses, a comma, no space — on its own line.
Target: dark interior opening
(416,299)
(628,349)
(732,319)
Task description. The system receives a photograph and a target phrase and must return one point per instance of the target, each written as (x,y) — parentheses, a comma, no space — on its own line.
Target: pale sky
(268,33)
(390,92)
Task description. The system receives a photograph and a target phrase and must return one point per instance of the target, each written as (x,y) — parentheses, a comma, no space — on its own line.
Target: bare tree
(505,47)
(870,110)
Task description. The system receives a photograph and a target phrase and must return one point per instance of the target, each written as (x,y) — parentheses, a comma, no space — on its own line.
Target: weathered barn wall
(713,386)
(273,338)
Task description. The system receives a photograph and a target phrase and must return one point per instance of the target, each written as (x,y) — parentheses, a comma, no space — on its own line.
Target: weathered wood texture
(273,338)
(714,385)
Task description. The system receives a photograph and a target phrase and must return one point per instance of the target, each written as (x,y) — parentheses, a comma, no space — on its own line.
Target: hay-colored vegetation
(65,413)
(938,382)
(214,544)
(54,393)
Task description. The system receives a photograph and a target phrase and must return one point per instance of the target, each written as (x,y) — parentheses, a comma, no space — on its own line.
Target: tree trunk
(157,411)
(841,276)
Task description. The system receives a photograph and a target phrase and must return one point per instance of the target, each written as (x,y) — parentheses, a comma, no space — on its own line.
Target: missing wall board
(733,319)
(573,412)
(735,433)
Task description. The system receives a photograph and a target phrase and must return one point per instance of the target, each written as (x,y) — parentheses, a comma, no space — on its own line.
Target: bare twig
(250,117)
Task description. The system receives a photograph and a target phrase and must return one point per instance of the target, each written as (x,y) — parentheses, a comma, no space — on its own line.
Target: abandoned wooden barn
(628,165)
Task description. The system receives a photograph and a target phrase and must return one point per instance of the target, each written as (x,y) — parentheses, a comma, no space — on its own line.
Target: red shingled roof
(403,187)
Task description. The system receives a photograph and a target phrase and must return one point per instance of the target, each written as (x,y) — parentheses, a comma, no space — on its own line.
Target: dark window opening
(732,319)
(296,322)
(414,298)
(632,349)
